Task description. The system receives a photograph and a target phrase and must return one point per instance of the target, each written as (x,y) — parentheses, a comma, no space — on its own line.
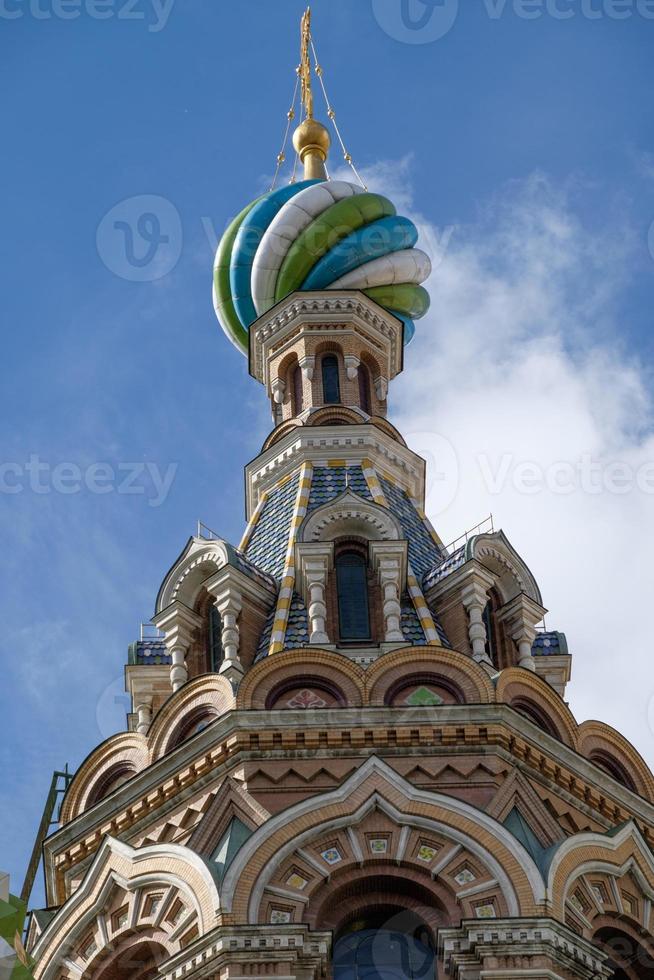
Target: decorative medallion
(464,876)
(306,699)
(279,917)
(332,855)
(486,911)
(426,853)
(423,697)
(379,845)
(296,880)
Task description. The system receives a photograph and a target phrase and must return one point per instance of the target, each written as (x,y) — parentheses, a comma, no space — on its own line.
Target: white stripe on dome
(287,225)
(408,265)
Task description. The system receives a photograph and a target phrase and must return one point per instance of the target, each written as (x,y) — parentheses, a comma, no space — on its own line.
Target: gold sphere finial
(312,141)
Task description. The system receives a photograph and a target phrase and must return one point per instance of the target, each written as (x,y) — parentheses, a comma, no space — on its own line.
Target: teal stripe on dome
(409,326)
(247,242)
(381,237)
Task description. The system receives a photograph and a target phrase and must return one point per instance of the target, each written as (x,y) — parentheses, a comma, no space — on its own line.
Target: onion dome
(317,234)
(313,235)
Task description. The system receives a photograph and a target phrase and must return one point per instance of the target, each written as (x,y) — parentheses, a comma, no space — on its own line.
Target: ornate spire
(311,139)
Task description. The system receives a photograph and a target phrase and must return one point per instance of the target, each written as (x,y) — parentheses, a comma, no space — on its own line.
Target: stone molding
(253,951)
(320,444)
(324,311)
(507,948)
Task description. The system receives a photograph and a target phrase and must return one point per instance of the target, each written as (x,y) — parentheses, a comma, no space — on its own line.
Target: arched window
(331,386)
(352,590)
(612,768)
(298,392)
(628,959)
(214,640)
(392,950)
(364,389)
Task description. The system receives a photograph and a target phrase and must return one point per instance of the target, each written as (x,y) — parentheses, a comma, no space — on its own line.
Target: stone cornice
(326,310)
(465,948)
(319,444)
(240,944)
(451,729)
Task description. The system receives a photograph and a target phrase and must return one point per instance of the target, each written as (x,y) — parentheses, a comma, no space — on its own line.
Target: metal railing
(486,527)
(150,632)
(206,533)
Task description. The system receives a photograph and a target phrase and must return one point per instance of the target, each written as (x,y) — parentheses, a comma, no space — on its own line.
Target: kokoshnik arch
(349,753)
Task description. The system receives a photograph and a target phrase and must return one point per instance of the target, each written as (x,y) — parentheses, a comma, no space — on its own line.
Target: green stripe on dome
(225,309)
(326,231)
(405,297)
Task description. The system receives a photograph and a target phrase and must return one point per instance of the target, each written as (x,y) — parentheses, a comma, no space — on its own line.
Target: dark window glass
(298,394)
(352,588)
(491,648)
(331,388)
(215,640)
(364,389)
(382,954)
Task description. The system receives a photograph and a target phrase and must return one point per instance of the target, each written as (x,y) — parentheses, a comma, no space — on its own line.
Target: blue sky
(525,145)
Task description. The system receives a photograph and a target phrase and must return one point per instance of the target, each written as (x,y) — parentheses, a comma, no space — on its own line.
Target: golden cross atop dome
(311,139)
(305,63)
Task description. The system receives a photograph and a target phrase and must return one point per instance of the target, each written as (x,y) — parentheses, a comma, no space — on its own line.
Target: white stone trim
(375,765)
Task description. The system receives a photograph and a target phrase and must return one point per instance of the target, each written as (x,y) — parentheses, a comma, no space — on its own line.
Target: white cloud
(520,361)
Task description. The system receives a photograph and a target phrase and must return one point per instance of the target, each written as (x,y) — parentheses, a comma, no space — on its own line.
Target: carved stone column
(475,598)
(352,366)
(180,625)
(389,558)
(144,715)
(308,367)
(314,562)
(229,603)
(278,387)
(520,617)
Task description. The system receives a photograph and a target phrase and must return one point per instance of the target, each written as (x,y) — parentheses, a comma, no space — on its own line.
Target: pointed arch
(174,869)
(375,785)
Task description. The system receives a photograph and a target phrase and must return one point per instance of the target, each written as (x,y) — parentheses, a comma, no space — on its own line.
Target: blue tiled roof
(551,644)
(329,482)
(264,639)
(148,652)
(410,624)
(297,629)
(423,550)
(269,541)
(251,569)
(444,568)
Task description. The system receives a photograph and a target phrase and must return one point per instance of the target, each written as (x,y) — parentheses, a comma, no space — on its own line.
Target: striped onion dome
(314,235)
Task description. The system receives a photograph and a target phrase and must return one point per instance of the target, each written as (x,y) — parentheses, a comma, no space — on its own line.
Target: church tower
(349,754)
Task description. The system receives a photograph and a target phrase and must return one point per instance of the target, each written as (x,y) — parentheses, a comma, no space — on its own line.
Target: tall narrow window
(215,644)
(364,389)
(352,589)
(491,645)
(331,387)
(298,394)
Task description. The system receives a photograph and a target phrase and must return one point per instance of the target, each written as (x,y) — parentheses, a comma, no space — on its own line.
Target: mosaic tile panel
(331,481)
(423,550)
(269,540)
